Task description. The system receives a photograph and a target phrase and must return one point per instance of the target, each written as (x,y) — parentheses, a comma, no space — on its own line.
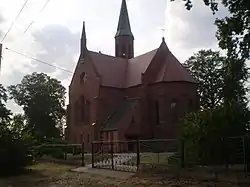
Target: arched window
(123,50)
(83,78)
(88,113)
(157,113)
(82,108)
(174,111)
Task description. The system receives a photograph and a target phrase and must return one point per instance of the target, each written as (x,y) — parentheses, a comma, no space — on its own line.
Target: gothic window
(83,78)
(87,114)
(102,136)
(82,108)
(81,138)
(76,112)
(112,135)
(123,50)
(174,110)
(157,112)
(107,135)
(88,139)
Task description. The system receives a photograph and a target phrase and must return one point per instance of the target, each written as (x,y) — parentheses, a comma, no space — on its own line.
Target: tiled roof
(137,66)
(123,73)
(111,69)
(113,121)
(172,70)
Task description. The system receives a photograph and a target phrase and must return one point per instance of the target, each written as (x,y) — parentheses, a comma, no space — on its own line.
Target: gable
(165,67)
(173,71)
(83,65)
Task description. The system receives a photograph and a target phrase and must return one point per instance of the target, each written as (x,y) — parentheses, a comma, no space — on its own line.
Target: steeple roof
(124,28)
(83,32)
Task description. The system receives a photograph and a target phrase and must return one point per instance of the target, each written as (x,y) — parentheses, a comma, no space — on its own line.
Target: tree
(13,144)
(4,112)
(42,99)
(206,67)
(233,35)
(204,133)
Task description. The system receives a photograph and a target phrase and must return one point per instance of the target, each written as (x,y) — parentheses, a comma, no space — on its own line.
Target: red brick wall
(165,93)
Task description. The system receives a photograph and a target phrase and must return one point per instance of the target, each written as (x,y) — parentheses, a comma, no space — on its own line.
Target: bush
(207,135)
(14,153)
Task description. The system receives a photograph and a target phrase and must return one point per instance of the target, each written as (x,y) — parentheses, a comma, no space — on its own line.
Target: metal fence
(134,155)
(226,154)
(166,154)
(230,154)
(72,154)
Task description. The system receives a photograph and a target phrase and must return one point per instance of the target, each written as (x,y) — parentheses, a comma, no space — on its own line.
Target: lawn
(54,175)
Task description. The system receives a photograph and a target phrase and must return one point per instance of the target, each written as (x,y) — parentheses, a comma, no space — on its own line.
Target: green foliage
(42,99)
(4,112)
(206,67)
(204,132)
(233,35)
(14,144)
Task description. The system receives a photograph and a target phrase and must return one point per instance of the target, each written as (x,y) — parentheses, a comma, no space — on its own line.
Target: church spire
(83,39)
(124,28)
(124,39)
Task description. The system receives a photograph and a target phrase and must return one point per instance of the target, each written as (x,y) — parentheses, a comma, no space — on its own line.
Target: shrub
(14,153)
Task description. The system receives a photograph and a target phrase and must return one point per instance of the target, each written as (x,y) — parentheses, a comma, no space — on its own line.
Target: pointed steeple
(124,28)
(83,39)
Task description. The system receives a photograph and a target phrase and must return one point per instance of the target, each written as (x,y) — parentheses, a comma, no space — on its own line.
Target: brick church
(124,97)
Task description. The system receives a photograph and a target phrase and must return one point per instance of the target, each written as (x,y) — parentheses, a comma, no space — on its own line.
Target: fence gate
(118,155)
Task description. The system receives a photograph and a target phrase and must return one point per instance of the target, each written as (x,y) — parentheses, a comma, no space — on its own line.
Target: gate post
(92,147)
(182,156)
(112,154)
(138,154)
(83,163)
(65,152)
(246,156)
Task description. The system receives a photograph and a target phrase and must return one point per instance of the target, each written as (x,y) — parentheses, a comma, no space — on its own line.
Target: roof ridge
(144,53)
(104,54)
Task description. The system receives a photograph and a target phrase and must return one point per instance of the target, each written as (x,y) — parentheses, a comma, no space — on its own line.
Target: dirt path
(54,175)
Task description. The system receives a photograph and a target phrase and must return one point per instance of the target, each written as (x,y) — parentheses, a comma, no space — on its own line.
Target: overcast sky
(54,36)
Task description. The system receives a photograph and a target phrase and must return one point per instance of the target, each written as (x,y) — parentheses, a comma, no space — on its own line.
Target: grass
(55,175)
(154,158)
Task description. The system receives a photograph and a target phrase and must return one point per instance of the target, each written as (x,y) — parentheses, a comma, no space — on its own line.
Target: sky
(54,36)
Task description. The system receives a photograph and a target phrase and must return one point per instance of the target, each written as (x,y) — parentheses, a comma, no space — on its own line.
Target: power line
(32,58)
(32,22)
(25,3)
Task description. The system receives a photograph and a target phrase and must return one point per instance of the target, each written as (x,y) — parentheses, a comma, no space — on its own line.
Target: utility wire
(33,21)
(25,3)
(46,63)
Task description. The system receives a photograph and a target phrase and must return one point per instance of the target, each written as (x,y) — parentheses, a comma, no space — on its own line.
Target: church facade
(123,97)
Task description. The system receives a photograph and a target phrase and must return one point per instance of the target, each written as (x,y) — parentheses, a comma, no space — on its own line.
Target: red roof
(123,73)
(173,70)
(137,66)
